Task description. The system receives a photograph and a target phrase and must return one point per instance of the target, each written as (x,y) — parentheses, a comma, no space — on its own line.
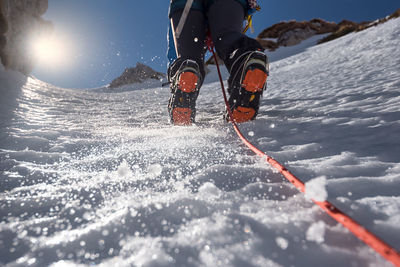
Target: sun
(51,50)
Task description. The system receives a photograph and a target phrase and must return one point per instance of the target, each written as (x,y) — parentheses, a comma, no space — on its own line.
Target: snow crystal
(247,229)
(123,169)
(316,189)
(155,170)
(282,242)
(316,232)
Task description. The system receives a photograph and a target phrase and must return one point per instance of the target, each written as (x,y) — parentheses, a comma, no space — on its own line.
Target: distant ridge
(138,74)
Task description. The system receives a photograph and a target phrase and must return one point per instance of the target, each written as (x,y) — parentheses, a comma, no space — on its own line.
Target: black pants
(224,19)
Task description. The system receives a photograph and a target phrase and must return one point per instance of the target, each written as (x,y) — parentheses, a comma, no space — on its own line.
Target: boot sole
(182,116)
(254,80)
(188,82)
(243,114)
(254,83)
(182,112)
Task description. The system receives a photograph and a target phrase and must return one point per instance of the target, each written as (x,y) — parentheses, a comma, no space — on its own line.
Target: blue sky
(108,36)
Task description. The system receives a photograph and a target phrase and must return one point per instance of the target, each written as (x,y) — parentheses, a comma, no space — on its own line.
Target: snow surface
(287,51)
(103,178)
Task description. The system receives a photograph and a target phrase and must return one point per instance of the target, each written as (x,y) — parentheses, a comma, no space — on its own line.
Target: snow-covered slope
(287,51)
(95,178)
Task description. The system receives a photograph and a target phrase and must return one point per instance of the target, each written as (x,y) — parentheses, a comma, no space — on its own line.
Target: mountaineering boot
(246,85)
(185,84)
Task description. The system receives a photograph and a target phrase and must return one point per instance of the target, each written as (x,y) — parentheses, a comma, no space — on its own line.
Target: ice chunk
(316,232)
(282,242)
(209,189)
(316,190)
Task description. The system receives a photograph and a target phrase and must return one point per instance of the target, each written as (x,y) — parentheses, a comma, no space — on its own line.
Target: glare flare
(51,50)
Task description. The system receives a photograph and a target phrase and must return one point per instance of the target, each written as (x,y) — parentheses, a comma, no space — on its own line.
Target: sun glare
(51,50)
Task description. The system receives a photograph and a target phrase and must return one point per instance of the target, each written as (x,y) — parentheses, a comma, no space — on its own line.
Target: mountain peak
(137,74)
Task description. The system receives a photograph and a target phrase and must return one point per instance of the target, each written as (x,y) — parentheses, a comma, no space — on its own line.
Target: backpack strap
(183,18)
(180,4)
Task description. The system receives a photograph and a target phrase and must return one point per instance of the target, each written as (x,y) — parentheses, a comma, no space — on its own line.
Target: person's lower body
(243,56)
(186,73)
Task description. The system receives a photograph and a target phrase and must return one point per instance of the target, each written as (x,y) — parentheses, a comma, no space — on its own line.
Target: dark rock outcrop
(138,74)
(3,30)
(20,20)
(293,32)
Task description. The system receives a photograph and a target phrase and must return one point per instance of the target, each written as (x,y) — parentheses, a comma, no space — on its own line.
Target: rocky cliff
(138,74)
(19,21)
